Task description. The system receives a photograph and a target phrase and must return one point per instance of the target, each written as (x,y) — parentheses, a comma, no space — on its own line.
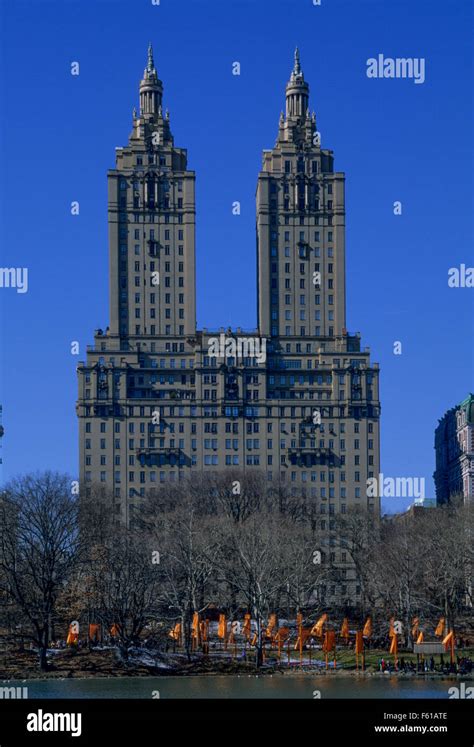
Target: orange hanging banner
(317,628)
(203,628)
(272,621)
(195,630)
(394,649)
(447,639)
(280,637)
(246,629)
(448,642)
(94,631)
(72,638)
(329,641)
(303,635)
(175,633)
(345,628)
(222,627)
(282,634)
(367,630)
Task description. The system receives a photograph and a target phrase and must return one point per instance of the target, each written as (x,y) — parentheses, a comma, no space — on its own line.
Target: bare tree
(183,536)
(39,544)
(123,580)
(250,561)
(447,573)
(359,534)
(400,559)
(305,569)
(235,493)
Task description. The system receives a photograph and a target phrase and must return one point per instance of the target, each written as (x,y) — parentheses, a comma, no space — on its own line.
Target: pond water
(240,686)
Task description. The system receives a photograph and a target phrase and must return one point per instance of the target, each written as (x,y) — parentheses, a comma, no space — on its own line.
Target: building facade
(454,447)
(297,399)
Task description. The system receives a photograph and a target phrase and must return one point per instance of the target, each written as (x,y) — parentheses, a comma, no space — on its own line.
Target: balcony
(167,450)
(160,456)
(305,455)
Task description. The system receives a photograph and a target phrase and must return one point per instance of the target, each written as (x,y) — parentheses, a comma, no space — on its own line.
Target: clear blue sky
(394,139)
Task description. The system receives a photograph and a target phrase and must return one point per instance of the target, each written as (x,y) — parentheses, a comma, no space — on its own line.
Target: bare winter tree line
(219,542)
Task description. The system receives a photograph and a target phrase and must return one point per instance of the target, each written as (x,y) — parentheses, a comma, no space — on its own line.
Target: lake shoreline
(261,673)
(105,664)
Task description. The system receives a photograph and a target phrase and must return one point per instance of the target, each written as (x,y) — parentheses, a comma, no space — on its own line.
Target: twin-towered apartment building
(297,400)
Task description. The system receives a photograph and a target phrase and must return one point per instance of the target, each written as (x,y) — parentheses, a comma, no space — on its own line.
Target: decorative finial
(297,67)
(134,112)
(151,65)
(167,114)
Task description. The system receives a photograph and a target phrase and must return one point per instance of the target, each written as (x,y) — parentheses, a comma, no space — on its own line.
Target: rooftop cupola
(151,89)
(297,91)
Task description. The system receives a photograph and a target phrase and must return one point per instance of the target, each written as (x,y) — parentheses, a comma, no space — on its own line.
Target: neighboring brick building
(454,445)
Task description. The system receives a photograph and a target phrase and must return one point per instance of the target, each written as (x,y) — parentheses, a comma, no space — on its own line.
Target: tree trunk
(42,650)
(123,650)
(187,633)
(259,646)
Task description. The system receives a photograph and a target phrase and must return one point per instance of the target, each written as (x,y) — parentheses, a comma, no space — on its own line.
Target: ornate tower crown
(151,88)
(297,91)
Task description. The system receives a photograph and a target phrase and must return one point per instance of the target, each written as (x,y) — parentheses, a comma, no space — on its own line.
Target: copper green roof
(468,405)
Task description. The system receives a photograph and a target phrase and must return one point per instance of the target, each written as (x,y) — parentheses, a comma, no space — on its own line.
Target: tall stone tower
(300,228)
(151,226)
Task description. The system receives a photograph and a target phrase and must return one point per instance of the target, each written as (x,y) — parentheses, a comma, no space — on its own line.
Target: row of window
(170,347)
(139,218)
(302,333)
(148,427)
(302,253)
(211,412)
(167,266)
(274,267)
(151,330)
(303,237)
(230,460)
(303,220)
(151,158)
(137,202)
(152,313)
(302,315)
(137,235)
(302,166)
(301,284)
(167,282)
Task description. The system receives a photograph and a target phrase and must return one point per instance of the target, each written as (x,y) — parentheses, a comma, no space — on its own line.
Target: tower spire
(297,66)
(150,65)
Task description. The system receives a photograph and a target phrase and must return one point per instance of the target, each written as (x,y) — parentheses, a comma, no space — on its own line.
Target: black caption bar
(88,721)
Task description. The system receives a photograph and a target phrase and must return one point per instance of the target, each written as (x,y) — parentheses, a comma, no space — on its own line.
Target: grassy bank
(23,665)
